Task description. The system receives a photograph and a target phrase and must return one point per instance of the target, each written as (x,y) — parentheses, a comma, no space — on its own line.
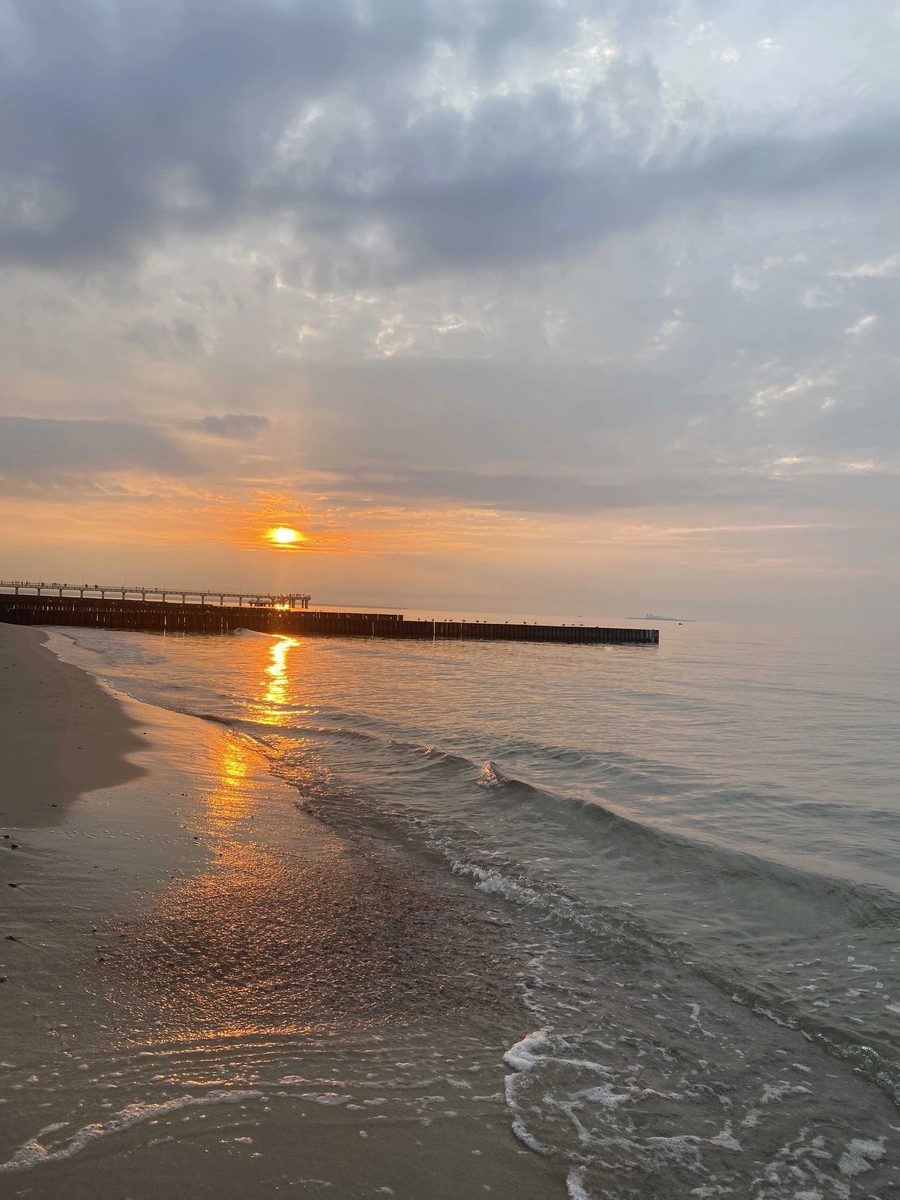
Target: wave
(36,1152)
(731,916)
(490,776)
(672,855)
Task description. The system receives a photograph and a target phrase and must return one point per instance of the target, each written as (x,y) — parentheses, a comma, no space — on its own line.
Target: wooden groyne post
(164,617)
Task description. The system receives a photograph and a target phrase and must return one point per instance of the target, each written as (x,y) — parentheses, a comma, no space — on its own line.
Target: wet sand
(207,990)
(343,936)
(61,734)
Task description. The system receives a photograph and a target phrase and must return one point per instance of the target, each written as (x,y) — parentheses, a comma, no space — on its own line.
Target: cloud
(162,340)
(387,135)
(558,493)
(842,486)
(52,452)
(124,121)
(238,427)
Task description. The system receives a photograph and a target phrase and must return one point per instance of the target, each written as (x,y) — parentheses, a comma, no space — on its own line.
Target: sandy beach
(184,940)
(61,734)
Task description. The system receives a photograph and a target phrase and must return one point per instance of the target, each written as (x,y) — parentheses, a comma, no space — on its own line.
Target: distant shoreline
(654,617)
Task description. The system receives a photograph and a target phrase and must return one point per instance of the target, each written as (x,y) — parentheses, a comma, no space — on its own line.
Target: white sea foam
(527,1139)
(34,1153)
(606,1097)
(490,776)
(772,1093)
(575,1184)
(859,1156)
(681,1148)
(726,1139)
(522,1056)
(494,883)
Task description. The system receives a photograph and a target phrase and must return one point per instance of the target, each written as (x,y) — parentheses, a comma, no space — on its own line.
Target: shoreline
(207,958)
(296,991)
(61,733)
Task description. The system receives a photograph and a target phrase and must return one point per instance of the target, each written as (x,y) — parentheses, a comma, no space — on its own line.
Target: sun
(285,536)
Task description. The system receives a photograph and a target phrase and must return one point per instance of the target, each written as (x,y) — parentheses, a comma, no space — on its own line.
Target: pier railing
(167,595)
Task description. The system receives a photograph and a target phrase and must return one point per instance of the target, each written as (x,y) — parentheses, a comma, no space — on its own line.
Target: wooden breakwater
(163,617)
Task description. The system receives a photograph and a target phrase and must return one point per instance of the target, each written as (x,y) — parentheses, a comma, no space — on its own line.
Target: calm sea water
(723,807)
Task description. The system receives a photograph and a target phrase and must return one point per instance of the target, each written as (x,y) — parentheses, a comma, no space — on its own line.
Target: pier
(20,587)
(163,616)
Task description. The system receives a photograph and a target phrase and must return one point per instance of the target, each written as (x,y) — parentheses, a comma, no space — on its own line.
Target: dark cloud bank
(238,427)
(50,451)
(123,122)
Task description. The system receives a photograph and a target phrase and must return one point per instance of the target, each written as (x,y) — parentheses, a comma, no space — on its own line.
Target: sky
(544,306)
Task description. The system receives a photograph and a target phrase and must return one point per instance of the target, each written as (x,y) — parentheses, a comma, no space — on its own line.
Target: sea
(694,845)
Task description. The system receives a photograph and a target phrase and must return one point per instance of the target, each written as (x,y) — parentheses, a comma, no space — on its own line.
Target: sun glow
(283,535)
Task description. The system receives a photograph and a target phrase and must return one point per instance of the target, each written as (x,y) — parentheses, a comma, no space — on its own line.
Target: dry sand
(61,734)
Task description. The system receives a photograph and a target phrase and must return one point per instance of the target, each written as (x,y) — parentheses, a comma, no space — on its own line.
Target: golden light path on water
(237,768)
(277,690)
(232,797)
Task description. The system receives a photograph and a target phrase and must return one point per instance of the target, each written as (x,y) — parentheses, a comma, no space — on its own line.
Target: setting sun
(284,536)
